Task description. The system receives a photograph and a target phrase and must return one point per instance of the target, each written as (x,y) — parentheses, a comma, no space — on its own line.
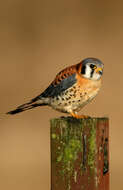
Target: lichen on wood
(69,141)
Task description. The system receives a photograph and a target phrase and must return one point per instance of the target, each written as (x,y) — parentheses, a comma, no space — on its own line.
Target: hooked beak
(99,71)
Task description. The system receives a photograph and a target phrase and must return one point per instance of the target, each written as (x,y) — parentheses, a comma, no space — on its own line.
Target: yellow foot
(79,116)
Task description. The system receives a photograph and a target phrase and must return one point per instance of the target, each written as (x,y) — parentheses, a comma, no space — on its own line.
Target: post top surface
(74,119)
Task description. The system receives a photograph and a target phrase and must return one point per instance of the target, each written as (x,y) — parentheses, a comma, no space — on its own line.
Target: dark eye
(93,66)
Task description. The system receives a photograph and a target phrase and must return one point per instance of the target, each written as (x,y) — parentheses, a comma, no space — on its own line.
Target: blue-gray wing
(55,90)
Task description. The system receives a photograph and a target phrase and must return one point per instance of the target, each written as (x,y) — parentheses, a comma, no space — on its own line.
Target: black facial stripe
(92,71)
(100,72)
(83,69)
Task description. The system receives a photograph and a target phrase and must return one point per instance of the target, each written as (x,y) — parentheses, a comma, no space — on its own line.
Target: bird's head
(92,68)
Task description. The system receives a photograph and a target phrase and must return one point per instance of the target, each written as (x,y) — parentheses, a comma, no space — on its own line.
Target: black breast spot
(74,95)
(71,90)
(66,93)
(75,91)
(57,98)
(69,97)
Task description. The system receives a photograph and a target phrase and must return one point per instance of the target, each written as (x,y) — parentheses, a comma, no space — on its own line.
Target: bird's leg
(79,116)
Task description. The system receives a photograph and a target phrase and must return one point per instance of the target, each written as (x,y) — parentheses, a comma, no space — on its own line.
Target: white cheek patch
(87,72)
(96,76)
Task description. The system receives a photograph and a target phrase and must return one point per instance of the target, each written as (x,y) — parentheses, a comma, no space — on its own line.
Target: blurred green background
(38,39)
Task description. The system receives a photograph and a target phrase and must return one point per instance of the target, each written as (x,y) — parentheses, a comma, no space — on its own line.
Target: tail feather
(24,107)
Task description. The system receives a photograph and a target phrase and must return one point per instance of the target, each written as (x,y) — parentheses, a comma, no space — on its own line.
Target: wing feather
(63,80)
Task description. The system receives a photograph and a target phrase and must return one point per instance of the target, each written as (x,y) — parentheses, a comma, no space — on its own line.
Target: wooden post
(80,154)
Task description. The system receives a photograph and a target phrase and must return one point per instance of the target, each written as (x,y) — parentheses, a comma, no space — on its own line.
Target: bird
(73,88)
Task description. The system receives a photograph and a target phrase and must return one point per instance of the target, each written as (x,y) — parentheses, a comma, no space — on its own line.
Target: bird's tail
(24,107)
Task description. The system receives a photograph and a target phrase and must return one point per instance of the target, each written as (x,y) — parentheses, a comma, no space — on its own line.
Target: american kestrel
(73,88)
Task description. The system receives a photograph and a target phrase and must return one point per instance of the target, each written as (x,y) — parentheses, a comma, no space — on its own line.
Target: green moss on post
(79,154)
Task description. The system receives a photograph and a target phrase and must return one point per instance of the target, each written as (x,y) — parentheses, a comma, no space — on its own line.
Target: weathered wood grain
(80,154)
